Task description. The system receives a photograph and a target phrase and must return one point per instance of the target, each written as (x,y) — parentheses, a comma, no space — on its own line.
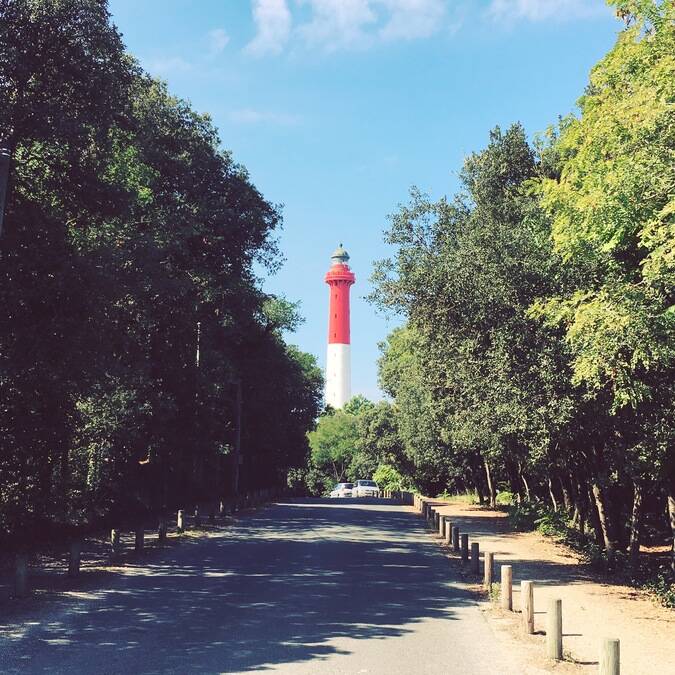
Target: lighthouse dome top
(340,255)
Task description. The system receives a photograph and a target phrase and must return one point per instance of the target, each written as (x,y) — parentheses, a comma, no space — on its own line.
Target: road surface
(317,586)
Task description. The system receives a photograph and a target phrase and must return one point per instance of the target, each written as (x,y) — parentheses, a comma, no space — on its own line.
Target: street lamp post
(4,179)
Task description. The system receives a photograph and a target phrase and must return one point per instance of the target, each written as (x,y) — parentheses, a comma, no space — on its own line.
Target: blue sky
(337,107)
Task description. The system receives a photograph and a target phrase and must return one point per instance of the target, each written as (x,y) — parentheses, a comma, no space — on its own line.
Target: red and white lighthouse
(338,362)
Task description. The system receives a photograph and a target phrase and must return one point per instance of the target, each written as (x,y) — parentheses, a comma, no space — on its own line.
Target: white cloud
(273,27)
(218,40)
(251,116)
(543,10)
(338,23)
(343,24)
(413,19)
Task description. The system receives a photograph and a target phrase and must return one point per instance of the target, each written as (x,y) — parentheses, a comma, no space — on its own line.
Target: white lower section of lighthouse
(338,375)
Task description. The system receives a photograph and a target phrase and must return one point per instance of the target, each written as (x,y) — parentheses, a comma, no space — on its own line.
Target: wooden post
(221,509)
(488,564)
(506,587)
(74,559)
(448,531)
(609,657)
(441,525)
(21,575)
(465,548)
(554,629)
(115,543)
(527,605)
(475,558)
(139,539)
(180,520)
(161,531)
(455,539)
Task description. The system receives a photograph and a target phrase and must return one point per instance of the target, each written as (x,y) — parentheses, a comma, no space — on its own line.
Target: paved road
(311,587)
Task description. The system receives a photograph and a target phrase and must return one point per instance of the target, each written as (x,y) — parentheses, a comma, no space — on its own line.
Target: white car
(365,488)
(342,490)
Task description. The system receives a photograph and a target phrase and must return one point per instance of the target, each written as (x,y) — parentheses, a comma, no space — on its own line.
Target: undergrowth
(657,579)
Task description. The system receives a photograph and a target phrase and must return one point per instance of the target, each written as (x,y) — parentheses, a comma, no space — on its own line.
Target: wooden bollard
(161,531)
(441,525)
(198,518)
(139,539)
(115,543)
(448,531)
(554,629)
(506,587)
(74,557)
(180,520)
(527,605)
(455,539)
(465,547)
(488,566)
(475,558)
(21,575)
(609,657)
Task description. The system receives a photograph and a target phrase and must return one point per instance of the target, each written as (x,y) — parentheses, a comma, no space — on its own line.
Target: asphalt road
(310,587)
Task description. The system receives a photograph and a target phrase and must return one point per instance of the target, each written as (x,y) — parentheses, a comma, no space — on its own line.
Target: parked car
(365,488)
(342,490)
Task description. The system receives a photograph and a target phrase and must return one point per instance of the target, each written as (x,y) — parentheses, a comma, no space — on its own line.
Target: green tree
(334,444)
(613,210)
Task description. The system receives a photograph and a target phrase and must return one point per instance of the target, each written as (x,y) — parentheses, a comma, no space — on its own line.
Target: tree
(613,210)
(137,348)
(334,443)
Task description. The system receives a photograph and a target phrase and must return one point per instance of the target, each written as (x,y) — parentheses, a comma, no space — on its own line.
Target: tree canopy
(141,363)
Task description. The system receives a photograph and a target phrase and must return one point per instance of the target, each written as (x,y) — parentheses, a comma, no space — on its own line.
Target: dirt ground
(593,607)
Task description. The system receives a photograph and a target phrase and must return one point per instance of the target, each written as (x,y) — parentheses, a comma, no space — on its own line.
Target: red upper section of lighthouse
(339,277)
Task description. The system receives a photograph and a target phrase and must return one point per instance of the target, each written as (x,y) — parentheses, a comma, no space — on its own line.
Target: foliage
(537,354)
(388,478)
(136,342)
(333,444)
(505,498)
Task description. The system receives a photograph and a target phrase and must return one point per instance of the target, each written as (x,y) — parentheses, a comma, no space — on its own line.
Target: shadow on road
(278,587)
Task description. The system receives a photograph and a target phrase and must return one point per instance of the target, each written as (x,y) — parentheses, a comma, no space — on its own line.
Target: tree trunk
(550,491)
(595,520)
(636,524)
(671,514)
(491,487)
(522,477)
(567,498)
(237,439)
(603,514)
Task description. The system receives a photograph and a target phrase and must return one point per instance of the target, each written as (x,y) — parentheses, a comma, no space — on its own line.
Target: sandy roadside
(593,607)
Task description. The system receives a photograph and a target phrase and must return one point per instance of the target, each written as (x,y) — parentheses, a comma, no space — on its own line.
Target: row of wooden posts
(21,567)
(400,496)
(609,663)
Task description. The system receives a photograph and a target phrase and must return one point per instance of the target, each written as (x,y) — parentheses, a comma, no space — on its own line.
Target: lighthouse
(338,362)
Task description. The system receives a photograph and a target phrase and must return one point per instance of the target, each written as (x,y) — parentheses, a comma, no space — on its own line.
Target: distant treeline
(538,357)
(141,365)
